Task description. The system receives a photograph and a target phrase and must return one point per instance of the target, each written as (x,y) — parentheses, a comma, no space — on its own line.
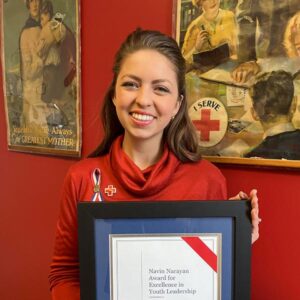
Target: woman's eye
(130,84)
(162,90)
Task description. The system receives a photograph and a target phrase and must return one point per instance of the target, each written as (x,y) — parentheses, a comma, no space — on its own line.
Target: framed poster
(168,250)
(229,46)
(40,50)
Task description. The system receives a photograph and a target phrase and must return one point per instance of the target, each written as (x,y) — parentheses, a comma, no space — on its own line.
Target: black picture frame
(237,211)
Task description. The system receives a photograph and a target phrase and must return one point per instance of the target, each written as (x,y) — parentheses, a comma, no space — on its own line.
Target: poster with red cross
(210,118)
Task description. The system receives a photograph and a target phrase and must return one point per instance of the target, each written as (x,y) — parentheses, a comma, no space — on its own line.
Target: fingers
(240,196)
(254,215)
(202,33)
(243,195)
(255,219)
(255,225)
(254,199)
(236,197)
(240,75)
(244,71)
(201,38)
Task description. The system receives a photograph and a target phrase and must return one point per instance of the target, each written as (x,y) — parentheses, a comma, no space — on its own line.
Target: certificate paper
(170,267)
(129,248)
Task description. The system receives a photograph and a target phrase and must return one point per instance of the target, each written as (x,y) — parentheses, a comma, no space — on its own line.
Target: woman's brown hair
(180,134)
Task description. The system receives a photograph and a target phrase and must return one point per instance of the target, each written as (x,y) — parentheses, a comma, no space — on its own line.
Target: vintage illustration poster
(40,51)
(243,82)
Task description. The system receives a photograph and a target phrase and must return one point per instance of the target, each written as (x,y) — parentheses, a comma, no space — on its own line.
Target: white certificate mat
(170,267)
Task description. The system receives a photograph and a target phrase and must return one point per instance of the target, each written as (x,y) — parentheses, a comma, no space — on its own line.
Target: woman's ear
(180,99)
(178,104)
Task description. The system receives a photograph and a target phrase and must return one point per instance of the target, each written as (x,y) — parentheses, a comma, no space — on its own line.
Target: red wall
(30,184)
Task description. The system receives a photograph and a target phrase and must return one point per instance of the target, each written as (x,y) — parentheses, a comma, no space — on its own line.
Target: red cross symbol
(110,190)
(205,125)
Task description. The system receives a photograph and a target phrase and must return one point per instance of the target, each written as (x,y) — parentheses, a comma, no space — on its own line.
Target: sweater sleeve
(64,269)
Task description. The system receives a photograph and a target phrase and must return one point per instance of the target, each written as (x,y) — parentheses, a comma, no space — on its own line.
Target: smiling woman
(141,50)
(149,151)
(146,100)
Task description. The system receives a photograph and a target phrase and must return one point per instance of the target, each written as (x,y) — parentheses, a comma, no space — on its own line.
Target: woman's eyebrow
(132,77)
(156,81)
(161,81)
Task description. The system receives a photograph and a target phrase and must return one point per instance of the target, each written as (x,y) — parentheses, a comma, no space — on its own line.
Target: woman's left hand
(254,211)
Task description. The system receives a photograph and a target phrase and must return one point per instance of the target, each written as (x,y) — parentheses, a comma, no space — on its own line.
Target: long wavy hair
(291,31)
(180,134)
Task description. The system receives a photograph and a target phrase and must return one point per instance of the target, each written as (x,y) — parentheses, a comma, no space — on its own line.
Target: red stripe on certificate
(203,251)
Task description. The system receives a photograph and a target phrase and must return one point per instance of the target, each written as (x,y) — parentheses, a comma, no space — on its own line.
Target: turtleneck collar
(142,182)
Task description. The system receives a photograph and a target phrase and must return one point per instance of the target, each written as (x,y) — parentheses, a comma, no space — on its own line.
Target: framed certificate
(168,250)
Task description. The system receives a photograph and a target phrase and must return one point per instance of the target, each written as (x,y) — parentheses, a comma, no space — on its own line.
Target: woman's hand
(245,71)
(254,211)
(202,38)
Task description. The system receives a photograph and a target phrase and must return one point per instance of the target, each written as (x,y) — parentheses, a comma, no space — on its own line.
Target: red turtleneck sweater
(168,179)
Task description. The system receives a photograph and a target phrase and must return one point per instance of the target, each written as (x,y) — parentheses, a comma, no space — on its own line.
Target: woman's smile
(145,118)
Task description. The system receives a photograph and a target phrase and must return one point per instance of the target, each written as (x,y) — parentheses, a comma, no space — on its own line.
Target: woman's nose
(144,97)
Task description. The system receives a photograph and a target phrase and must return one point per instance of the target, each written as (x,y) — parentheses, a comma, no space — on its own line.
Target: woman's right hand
(245,71)
(202,38)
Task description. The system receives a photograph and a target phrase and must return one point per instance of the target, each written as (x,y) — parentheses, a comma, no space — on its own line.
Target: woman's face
(146,95)
(34,8)
(210,6)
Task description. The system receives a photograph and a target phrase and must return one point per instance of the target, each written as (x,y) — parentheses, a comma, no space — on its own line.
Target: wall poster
(40,50)
(243,82)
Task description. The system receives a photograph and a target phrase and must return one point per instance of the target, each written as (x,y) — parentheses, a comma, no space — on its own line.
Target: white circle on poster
(210,118)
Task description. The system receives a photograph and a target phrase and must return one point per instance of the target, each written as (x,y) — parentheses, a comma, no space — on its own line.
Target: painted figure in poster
(292,36)
(48,66)
(212,28)
(57,46)
(261,25)
(273,106)
(292,48)
(41,76)
(34,109)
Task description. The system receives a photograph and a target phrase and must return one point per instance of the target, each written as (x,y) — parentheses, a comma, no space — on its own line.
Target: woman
(149,151)
(34,109)
(291,40)
(215,26)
